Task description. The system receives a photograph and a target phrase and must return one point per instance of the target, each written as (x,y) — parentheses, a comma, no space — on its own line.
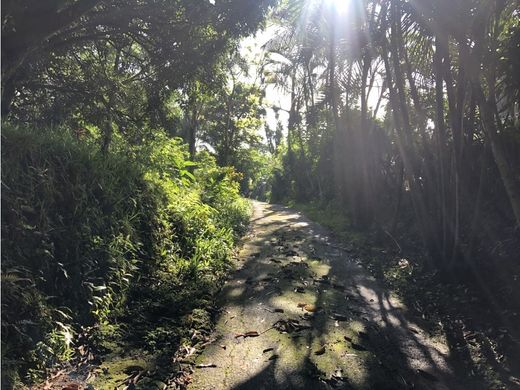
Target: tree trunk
(192,134)
(440,132)
(8,93)
(403,128)
(508,177)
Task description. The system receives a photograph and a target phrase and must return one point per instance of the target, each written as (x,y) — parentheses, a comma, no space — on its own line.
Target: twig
(395,241)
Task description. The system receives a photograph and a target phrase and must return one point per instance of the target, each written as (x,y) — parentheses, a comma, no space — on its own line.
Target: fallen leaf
(266,308)
(289,325)
(358,347)
(209,365)
(514,380)
(136,378)
(71,386)
(427,375)
(322,281)
(363,335)
(310,308)
(160,385)
(339,317)
(320,351)
(251,333)
(133,369)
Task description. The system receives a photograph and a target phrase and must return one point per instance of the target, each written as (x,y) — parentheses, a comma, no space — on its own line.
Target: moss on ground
(115,369)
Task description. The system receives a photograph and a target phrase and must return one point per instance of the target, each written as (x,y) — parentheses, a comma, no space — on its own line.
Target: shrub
(88,237)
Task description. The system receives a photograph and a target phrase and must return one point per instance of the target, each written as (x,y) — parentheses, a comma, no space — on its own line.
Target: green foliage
(255,164)
(90,237)
(219,185)
(112,62)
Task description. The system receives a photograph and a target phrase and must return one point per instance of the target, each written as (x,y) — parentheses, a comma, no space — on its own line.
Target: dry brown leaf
(310,308)
(289,325)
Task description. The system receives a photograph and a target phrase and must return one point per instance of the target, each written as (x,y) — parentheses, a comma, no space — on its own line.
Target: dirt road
(299,313)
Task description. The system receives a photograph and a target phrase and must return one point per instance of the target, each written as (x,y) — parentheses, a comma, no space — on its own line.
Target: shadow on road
(323,322)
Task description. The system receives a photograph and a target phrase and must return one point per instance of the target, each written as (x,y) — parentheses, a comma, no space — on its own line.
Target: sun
(340,6)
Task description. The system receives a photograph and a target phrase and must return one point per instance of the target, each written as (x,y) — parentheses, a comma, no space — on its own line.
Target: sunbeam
(340,6)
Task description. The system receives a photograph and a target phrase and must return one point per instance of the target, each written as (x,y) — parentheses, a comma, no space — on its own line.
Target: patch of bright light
(340,6)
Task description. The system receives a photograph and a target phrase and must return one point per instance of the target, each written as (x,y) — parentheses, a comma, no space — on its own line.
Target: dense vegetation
(92,237)
(404,113)
(130,130)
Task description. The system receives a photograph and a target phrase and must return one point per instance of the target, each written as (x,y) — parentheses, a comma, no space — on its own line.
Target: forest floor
(301,313)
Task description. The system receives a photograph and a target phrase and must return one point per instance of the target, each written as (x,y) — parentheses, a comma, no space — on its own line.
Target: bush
(88,237)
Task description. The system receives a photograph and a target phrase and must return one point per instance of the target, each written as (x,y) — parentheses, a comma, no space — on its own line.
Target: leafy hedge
(88,238)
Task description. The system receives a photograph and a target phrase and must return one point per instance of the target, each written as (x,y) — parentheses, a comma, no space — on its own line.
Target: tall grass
(89,237)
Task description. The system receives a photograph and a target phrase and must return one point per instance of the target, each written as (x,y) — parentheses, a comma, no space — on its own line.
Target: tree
(162,44)
(442,73)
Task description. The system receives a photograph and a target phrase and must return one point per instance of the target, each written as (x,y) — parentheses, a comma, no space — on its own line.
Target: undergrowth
(135,238)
